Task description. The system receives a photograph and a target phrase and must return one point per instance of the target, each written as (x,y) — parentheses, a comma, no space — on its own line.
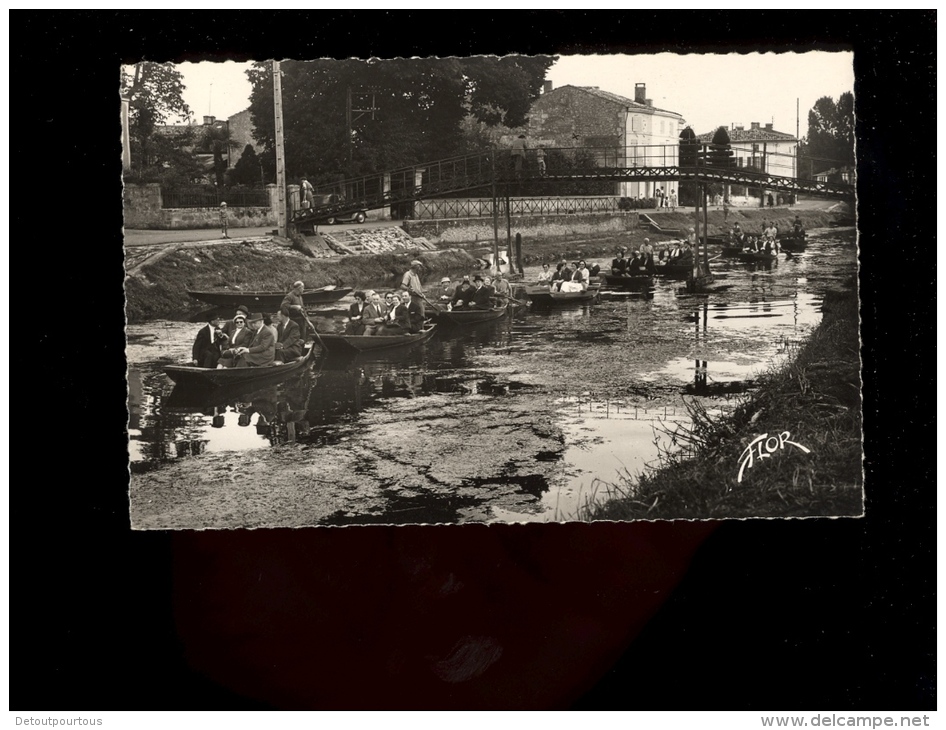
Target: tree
(155,93)
(689,148)
(720,150)
(830,140)
(420,106)
(246,171)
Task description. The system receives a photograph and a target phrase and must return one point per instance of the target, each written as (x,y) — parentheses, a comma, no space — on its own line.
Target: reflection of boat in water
(543,296)
(267,300)
(347,344)
(459,317)
(629,281)
(191,376)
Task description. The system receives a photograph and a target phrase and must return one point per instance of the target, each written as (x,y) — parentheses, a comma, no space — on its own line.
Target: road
(141,237)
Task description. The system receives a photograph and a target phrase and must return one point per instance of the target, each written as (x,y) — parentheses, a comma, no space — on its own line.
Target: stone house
(241,134)
(761,148)
(623,132)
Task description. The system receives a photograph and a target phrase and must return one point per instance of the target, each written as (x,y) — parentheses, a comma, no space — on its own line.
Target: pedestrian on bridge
(518,153)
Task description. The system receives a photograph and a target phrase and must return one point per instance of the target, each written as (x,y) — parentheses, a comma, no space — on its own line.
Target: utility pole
(280,152)
(495,213)
(348,129)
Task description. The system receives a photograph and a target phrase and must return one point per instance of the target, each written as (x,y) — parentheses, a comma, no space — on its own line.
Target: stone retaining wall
(142,206)
(472,231)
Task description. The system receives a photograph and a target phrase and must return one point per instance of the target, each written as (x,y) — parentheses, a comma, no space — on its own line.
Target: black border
(806,614)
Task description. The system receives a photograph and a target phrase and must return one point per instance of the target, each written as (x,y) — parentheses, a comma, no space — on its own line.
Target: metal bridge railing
(746,166)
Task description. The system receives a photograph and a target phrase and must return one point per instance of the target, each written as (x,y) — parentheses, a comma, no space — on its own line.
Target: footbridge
(498,172)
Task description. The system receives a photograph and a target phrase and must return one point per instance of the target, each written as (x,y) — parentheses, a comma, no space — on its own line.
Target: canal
(526,418)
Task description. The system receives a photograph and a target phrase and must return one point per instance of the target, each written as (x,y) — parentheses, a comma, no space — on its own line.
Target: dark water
(523,418)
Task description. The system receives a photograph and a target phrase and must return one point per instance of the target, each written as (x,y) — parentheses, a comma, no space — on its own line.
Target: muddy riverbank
(815,470)
(158,290)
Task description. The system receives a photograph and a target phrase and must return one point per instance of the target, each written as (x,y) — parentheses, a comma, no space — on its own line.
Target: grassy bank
(816,397)
(160,289)
(537,251)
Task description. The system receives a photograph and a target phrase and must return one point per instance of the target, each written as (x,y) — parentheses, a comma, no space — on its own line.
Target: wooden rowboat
(795,243)
(756,257)
(195,377)
(459,317)
(545,297)
(674,271)
(629,281)
(347,344)
(267,300)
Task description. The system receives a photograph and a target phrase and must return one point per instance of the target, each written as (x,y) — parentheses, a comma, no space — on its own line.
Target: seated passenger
(463,295)
(415,313)
(289,342)
(372,316)
(208,344)
(619,265)
(398,320)
(483,295)
(355,325)
(636,266)
(261,350)
(240,336)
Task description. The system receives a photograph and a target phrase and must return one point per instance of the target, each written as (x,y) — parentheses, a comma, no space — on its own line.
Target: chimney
(640,92)
(546,87)
(768,126)
(755,125)
(209,120)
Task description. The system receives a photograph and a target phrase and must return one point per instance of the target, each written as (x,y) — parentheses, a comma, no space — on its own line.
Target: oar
(314,330)
(515,301)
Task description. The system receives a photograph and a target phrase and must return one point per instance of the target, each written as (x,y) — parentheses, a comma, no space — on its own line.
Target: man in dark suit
(262,350)
(289,342)
(482,297)
(207,344)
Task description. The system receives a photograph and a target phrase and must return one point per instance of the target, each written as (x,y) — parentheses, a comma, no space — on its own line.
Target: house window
(661,126)
(755,148)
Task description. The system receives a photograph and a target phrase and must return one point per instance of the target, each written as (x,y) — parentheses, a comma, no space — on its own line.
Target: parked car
(358,216)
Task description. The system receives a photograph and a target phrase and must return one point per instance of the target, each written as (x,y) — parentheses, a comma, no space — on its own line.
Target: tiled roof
(618,99)
(750,135)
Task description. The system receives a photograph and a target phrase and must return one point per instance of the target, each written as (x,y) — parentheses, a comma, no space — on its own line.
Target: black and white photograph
(491,289)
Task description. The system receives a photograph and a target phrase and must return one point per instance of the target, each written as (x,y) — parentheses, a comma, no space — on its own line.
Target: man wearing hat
(446,290)
(293,300)
(482,296)
(262,350)
(410,282)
